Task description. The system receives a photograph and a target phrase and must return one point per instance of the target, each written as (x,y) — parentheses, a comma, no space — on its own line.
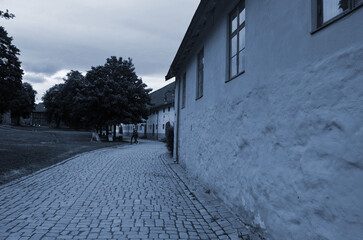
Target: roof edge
(188,35)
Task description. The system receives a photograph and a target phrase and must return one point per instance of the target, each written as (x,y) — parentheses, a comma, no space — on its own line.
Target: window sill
(335,19)
(198,98)
(239,74)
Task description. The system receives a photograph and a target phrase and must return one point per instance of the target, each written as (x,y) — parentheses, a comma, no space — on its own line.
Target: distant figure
(95,137)
(134,135)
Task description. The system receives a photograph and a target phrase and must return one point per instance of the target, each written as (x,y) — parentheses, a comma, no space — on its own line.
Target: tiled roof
(163,96)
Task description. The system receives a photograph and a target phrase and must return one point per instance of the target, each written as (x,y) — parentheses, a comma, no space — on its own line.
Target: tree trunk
(114,132)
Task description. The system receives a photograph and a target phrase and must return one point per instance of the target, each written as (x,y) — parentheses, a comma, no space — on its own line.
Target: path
(130,192)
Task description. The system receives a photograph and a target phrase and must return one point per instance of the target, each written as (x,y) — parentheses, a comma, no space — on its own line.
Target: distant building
(161,116)
(269,103)
(162,112)
(39,117)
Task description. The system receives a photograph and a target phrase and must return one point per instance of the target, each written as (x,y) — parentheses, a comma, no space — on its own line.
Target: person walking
(134,136)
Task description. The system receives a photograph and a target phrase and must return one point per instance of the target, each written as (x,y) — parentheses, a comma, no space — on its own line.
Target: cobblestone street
(129,192)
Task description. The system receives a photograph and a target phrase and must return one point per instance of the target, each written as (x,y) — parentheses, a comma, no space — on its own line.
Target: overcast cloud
(56,36)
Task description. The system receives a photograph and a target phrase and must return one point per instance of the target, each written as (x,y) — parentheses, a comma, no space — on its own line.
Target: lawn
(24,150)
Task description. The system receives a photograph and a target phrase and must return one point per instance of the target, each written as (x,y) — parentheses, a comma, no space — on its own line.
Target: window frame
(240,7)
(200,77)
(317,21)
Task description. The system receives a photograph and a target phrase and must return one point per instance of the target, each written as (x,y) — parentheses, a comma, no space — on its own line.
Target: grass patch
(24,150)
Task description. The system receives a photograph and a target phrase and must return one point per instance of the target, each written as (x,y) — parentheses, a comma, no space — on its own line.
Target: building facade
(39,116)
(161,116)
(269,109)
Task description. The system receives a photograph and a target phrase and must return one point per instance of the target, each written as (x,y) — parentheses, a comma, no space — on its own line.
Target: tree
(344,4)
(107,95)
(115,94)
(24,102)
(10,70)
(73,85)
(6,14)
(53,102)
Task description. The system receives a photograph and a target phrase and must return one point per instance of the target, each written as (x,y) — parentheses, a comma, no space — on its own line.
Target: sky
(56,36)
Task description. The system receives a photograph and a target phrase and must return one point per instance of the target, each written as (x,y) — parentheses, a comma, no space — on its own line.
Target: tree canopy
(6,14)
(53,102)
(23,104)
(10,71)
(108,94)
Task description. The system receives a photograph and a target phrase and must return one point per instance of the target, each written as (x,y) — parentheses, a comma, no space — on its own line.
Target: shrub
(170,139)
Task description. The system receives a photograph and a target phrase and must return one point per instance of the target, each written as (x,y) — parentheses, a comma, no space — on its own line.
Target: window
(169,109)
(237,40)
(183,90)
(163,110)
(330,10)
(200,74)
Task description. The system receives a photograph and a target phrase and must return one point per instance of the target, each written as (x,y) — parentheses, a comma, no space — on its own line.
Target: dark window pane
(234,46)
(242,16)
(201,85)
(357,2)
(200,73)
(233,22)
(184,92)
(332,8)
(241,61)
(242,39)
(233,67)
(201,59)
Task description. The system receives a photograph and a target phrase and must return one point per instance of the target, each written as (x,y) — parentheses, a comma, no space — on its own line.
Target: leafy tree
(73,85)
(115,94)
(53,102)
(108,95)
(10,70)
(6,14)
(24,103)
(92,98)
(343,4)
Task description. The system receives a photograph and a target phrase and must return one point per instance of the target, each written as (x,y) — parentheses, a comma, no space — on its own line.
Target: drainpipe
(177,124)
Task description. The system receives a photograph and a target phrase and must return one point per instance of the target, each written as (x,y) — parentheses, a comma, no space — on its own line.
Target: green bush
(170,139)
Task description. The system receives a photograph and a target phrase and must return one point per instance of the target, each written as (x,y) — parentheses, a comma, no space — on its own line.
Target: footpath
(127,192)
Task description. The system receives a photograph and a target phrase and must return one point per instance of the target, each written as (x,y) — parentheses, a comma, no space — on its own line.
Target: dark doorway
(167,127)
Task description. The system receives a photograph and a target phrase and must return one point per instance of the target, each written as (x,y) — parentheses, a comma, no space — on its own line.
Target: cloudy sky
(56,36)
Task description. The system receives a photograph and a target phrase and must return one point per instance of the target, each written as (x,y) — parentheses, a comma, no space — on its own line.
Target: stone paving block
(130,192)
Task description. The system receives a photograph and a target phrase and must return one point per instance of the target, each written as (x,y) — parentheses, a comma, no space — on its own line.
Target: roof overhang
(203,13)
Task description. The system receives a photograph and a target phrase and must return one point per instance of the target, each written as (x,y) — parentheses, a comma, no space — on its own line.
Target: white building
(161,116)
(269,102)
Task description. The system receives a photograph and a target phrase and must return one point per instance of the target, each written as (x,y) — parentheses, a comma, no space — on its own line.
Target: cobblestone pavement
(129,192)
